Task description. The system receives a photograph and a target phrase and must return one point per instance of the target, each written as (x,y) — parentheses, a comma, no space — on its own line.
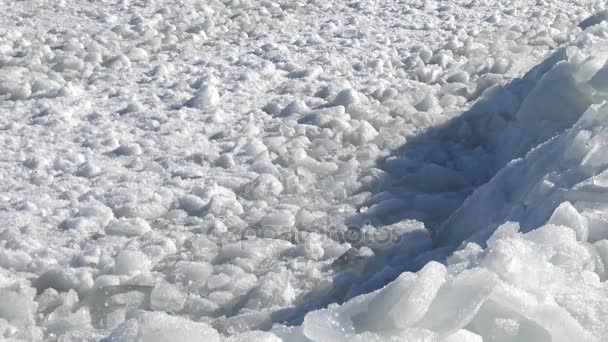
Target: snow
(303,171)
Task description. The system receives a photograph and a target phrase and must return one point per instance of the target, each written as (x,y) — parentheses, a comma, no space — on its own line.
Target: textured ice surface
(303,171)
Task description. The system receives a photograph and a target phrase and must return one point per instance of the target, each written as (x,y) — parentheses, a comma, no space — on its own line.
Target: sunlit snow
(244,170)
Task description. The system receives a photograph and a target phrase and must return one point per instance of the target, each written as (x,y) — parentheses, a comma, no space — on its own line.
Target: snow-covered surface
(303,170)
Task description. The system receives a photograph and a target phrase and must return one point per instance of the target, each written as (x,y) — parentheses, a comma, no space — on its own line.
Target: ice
(130,262)
(458,76)
(191,204)
(295,107)
(278,221)
(161,327)
(128,227)
(303,171)
(362,133)
(128,149)
(594,19)
(458,302)
(18,308)
(273,290)
(567,215)
(137,54)
(255,336)
(463,335)
(58,279)
(206,97)
(166,297)
(346,98)
(406,300)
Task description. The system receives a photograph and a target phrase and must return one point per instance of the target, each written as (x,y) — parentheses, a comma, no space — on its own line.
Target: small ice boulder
(567,215)
(362,133)
(127,331)
(225,161)
(45,87)
(405,301)
(128,149)
(486,81)
(131,262)
(191,204)
(425,54)
(57,278)
(458,301)
(459,76)
(278,221)
(205,98)
(274,290)
(463,335)
(137,54)
(18,306)
(494,18)
(295,107)
(346,97)
(222,206)
(162,327)
(128,227)
(259,336)
(167,297)
(263,186)
(427,103)
(66,62)
(500,66)
(133,106)
(193,274)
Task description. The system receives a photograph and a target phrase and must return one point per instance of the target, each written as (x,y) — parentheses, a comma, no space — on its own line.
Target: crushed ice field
(257,170)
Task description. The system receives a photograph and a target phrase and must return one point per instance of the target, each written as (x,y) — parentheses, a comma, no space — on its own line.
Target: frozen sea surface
(303,170)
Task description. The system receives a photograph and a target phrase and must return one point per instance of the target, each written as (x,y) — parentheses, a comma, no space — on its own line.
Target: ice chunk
(137,54)
(295,107)
(58,279)
(67,62)
(278,221)
(131,262)
(346,98)
(486,81)
(541,105)
(63,319)
(18,306)
(362,133)
(458,301)
(566,215)
(218,281)
(128,331)
(255,336)
(404,301)
(459,76)
(223,205)
(193,274)
(205,98)
(161,327)
(463,335)
(191,204)
(133,106)
(128,227)
(128,149)
(428,102)
(505,324)
(263,186)
(166,297)
(274,290)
